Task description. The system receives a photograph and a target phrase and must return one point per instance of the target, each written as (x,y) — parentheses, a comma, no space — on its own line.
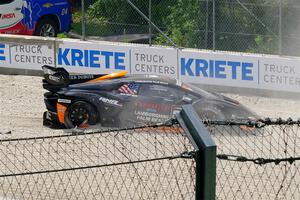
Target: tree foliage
(182,24)
(244,25)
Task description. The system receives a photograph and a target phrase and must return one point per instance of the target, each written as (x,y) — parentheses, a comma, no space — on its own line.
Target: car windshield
(197,90)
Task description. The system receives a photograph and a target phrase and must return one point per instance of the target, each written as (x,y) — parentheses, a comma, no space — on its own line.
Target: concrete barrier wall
(230,71)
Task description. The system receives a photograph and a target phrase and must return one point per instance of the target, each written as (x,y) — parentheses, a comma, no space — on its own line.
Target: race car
(120,100)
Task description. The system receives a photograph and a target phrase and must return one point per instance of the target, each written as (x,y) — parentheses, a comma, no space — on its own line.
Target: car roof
(141,78)
(150,79)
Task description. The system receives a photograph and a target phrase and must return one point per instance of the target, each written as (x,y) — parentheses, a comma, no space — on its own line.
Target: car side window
(6,2)
(160,91)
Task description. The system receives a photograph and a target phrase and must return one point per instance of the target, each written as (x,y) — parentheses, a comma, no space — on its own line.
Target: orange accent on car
(109,76)
(61,110)
(186,88)
(247,128)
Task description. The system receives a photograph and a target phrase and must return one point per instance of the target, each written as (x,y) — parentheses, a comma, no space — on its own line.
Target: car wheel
(80,114)
(210,113)
(47,28)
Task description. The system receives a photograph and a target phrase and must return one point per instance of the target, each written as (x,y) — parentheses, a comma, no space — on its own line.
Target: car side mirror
(187,99)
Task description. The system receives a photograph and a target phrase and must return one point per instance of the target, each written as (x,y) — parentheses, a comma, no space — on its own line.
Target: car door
(127,94)
(156,103)
(11,16)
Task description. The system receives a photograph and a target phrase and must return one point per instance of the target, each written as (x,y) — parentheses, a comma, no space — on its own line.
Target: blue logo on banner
(219,69)
(91,58)
(2,57)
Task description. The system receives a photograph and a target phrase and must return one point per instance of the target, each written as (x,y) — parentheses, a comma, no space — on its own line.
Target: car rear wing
(57,78)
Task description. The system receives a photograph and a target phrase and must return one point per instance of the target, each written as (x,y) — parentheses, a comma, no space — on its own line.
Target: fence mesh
(229,25)
(141,163)
(257,163)
(256,160)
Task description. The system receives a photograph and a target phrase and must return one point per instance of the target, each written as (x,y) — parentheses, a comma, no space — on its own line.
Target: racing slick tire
(80,114)
(46,27)
(211,114)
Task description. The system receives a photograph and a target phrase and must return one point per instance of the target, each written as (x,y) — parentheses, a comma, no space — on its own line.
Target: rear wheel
(46,27)
(80,114)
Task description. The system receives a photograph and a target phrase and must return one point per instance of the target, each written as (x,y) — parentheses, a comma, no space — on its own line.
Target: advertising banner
(279,74)
(154,60)
(269,72)
(246,71)
(4,55)
(101,58)
(218,69)
(26,56)
(92,58)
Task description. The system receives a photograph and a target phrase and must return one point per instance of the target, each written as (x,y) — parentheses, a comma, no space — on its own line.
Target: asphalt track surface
(22,106)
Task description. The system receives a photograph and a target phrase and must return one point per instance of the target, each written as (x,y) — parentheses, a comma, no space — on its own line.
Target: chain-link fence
(259,162)
(177,160)
(140,163)
(266,26)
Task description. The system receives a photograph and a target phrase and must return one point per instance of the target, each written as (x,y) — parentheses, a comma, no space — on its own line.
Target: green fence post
(205,155)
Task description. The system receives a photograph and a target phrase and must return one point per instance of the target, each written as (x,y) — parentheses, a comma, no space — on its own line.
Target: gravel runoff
(22,106)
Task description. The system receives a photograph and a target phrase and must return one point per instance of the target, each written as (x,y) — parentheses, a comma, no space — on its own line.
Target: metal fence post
(150,20)
(214,24)
(83,20)
(280,28)
(206,22)
(206,151)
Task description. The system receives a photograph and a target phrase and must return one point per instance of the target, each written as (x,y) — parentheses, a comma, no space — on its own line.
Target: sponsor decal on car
(109,101)
(150,81)
(7,16)
(54,78)
(83,77)
(48,5)
(155,107)
(150,116)
(64,101)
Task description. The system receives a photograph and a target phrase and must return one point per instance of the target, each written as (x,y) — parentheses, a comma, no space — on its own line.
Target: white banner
(4,55)
(194,66)
(153,60)
(218,69)
(26,56)
(246,71)
(31,56)
(280,74)
(95,58)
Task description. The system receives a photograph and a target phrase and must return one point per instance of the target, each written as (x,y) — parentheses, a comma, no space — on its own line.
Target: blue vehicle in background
(35,17)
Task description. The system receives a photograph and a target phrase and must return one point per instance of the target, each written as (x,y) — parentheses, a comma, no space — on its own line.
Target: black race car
(120,100)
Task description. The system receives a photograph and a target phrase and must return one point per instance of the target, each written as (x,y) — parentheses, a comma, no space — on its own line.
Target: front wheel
(80,114)
(210,113)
